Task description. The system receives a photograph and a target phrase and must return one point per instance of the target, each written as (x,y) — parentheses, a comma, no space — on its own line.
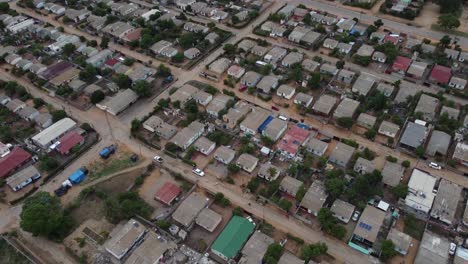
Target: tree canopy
(448,21)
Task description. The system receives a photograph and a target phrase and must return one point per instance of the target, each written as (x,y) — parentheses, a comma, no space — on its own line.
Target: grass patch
(414,227)
(9,255)
(102,168)
(449,31)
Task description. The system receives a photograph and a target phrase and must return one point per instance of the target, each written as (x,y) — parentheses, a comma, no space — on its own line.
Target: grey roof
(267,83)
(404,93)
(117,29)
(260,50)
(373,217)
(251,78)
(218,103)
(364,166)
(246,44)
(385,88)
(292,58)
(330,43)
(316,146)
(27,112)
(76,84)
(202,97)
(458,82)
(290,185)
(285,89)
(378,34)
(310,65)
(328,69)
(432,249)
(325,104)
(246,160)
(184,93)
(401,240)
(411,42)
(298,33)
(342,154)
(345,74)
(363,84)
(347,24)
(220,65)
(315,197)
(236,113)
(438,143)
(366,120)
(255,118)
(344,47)
(275,54)
(225,154)
(428,48)
(43,118)
(208,219)
(346,108)
(365,50)
(121,100)
(255,248)
(190,207)
(461,152)
(187,134)
(151,249)
(22,175)
(311,37)
(417,68)
(452,53)
(153,122)
(203,143)
(288,258)
(392,173)
(342,209)
(160,45)
(264,171)
(446,201)
(275,128)
(124,238)
(303,98)
(427,105)
(414,135)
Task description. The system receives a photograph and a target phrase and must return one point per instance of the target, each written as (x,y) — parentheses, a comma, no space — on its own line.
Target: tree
(314,81)
(335,186)
(42,215)
(378,23)
(38,102)
(388,49)
(419,151)
(97,96)
(188,40)
(122,81)
(178,58)
(136,123)
(233,168)
(68,49)
(163,71)
(450,6)
(4,7)
(445,41)
(104,42)
(88,73)
(142,88)
(346,122)
(229,49)
(313,250)
(400,191)
(361,60)
(273,254)
(300,193)
(58,115)
(340,64)
(448,21)
(388,250)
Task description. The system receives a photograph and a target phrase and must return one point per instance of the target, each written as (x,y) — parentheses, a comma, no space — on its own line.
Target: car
(274,108)
(434,165)
(356,216)
(134,157)
(157,159)
(198,172)
(453,248)
(243,88)
(62,190)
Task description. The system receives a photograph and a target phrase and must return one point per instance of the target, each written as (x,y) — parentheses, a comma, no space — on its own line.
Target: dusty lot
(428,16)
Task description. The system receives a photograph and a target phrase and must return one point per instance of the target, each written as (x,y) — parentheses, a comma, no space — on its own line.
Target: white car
(453,248)
(356,216)
(157,159)
(198,172)
(434,165)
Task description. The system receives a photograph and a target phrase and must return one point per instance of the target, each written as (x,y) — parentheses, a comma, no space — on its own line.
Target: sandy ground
(428,16)
(464,20)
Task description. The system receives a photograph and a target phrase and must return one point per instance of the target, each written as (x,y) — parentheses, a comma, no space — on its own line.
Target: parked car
(134,157)
(274,108)
(157,159)
(62,190)
(198,172)
(453,248)
(243,88)
(435,165)
(107,151)
(356,216)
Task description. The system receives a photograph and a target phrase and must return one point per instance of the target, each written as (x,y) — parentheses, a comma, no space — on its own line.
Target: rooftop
(124,238)
(432,249)
(151,249)
(342,209)
(288,258)
(438,143)
(325,104)
(414,135)
(446,201)
(167,193)
(441,74)
(208,219)
(369,224)
(315,197)
(401,240)
(188,210)
(255,248)
(293,140)
(420,195)
(233,237)
(392,173)
(346,108)
(427,105)
(342,154)
(290,185)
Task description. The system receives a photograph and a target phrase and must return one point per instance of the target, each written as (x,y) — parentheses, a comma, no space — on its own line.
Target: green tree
(58,115)
(388,250)
(104,42)
(68,49)
(136,123)
(340,64)
(400,191)
(448,21)
(142,88)
(346,122)
(300,193)
(42,215)
(313,250)
(388,49)
(38,102)
(450,6)
(314,80)
(4,7)
(445,41)
(97,96)
(163,70)
(378,23)
(233,168)
(178,58)
(419,151)
(188,40)
(335,186)
(88,73)
(273,254)
(229,49)
(122,81)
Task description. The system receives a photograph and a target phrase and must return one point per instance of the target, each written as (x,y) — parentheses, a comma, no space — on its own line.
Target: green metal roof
(233,237)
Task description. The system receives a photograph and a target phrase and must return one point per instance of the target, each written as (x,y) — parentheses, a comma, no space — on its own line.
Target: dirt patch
(428,16)
(464,20)
(119,184)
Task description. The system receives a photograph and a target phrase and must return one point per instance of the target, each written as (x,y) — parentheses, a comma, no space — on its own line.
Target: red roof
(13,160)
(167,193)
(393,39)
(401,63)
(68,141)
(441,74)
(111,62)
(293,139)
(134,35)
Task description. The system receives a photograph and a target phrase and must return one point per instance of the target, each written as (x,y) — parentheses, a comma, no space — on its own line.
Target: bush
(163,224)
(345,122)
(253,184)
(238,211)
(400,191)
(406,164)
(97,96)
(391,159)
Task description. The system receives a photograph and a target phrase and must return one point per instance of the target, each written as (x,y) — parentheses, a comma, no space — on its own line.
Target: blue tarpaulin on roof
(265,124)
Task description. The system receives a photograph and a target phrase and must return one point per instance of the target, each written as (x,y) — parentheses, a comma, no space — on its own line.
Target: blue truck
(107,151)
(78,176)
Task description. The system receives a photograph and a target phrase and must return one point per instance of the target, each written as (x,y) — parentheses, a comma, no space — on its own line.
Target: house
(152,249)
(43,120)
(87,51)
(76,85)
(420,193)
(344,48)
(20,26)
(119,102)
(184,94)
(461,153)
(100,58)
(427,105)
(140,73)
(236,71)
(346,25)
(412,42)
(289,258)
(359,29)
(236,114)
(292,58)
(196,28)
(298,33)
(325,104)
(218,103)
(417,70)
(345,76)
(189,209)
(438,143)
(184,138)
(46,137)
(246,45)
(287,10)
(346,108)
(212,37)
(330,43)
(192,53)
(363,166)
(314,198)
(310,38)
(401,64)
(386,89)
(38,4)
(299,13)
(24,64)
(118,29)
(242,15)
(316,147)
(204,145)
(96,22)
(275,128)
(247,162)
(254,120)
(251,79)
(77,15)
(166,131)
(433,249)
(378,35)
(28,113)
(255,248)
(7,50)
(342,154)
(275,55)
(37,68)
(269,171)
(401,241)
(365,51)
(152,123)
(167,193)
(125,238)
(290,185)
(266,84)
(367,229)
(4,99)
(463,56)
(15,105)
(224,154)
(366,120)
(362,85)
(23,178)
(446,202)
(285,91)
(259,50)
(208,219)
(440,75)
(182,4)
(329,20)
(12,161)
(68,142)
(379,56)
(388,129)
(219,66)
(303,99)
(452,54)
(342,210)
(163,48)
(291,142)
(12,59)
(392,173)
(414,136)
(451,112)
(233,237)
(404,93)
(310,65)
(457,83)
(55,8)
(328,69)
(461,255)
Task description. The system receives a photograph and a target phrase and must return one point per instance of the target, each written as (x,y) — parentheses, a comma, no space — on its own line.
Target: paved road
(404,28)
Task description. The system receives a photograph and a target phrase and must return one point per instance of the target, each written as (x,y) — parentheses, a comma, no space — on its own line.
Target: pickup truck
(78,176)
(107,151)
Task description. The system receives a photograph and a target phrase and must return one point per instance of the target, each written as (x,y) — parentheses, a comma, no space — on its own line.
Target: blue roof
(264,124)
